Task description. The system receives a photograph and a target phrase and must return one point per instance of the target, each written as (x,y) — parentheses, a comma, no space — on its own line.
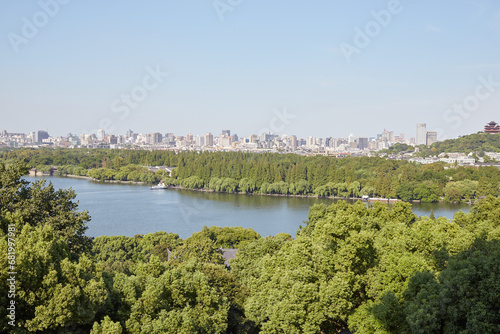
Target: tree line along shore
(275,174)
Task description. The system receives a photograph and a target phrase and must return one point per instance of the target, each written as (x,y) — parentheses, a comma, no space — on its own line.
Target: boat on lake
(160,185)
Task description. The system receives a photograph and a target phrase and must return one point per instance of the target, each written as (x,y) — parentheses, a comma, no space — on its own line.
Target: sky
(311,68)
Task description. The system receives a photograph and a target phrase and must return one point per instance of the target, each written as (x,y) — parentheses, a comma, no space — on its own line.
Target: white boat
(160,185)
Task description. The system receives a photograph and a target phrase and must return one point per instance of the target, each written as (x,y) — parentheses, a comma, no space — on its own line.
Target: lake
(126,209)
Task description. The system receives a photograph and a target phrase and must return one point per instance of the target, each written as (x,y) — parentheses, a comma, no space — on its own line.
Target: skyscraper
(113,139)
(421,134)
(351,138)
(209,139)
(362,143)
(431,137)
(293,140)
(42,135)
(101,134)
(199,140)
(225,141)
(155,137)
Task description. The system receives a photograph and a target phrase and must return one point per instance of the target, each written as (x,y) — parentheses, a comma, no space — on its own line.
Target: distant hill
(477,142)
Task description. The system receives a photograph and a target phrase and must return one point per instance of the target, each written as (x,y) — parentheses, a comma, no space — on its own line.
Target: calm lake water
(118,209)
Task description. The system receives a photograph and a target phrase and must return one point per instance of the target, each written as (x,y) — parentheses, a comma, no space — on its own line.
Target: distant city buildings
(424,137)
(351,145)
(156,138)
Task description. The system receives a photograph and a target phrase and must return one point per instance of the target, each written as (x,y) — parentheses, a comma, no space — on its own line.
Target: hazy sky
(322,68)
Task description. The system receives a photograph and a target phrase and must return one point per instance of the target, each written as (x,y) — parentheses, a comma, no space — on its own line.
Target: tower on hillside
(492,127)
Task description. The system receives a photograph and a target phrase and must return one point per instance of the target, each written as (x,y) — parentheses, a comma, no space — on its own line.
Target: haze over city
(335,67)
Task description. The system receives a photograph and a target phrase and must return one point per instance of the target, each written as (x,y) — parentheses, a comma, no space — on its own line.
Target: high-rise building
(421,134)
(293,139)
(156,137)
(113,139)
(431,137)
(351,138)
(225,138)
(209,139)
(42,135)
(311,141)
(266,137)
(387,136)
(225,141)
(362,143)
(199,140)
(101,134)
(129,133)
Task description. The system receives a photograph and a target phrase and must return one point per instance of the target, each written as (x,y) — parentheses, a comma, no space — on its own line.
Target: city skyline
(101,133)
(227,140)
(334,68)
(370,134)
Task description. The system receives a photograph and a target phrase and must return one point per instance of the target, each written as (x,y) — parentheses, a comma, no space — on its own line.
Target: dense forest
(477,143)
(376,269)
(266,173)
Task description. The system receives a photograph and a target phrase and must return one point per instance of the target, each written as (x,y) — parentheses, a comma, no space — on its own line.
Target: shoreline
(369,200)
(98,181)
(372,199)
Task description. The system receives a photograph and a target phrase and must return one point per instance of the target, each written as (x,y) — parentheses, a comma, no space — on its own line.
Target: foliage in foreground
(372,270)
